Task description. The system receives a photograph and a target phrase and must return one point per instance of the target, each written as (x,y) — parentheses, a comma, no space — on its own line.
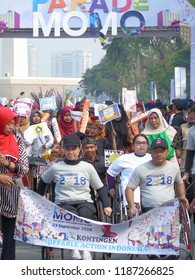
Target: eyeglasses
(141,143)
(153,118)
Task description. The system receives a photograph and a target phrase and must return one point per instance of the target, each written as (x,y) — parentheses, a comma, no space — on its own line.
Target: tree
(133,62)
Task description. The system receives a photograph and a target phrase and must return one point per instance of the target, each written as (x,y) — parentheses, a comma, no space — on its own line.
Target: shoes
(152,257)
(163,257)
(171,257)
(75,255)
(86,255)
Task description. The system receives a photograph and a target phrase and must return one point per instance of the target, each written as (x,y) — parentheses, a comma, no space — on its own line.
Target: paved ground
(31,252)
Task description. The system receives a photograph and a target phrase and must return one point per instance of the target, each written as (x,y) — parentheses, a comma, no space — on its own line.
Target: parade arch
(100,18)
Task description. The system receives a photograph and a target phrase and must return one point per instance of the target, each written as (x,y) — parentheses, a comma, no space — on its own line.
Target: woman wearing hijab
(39,138)
(157,127)
(120,128)
(24,123)
(13,164)
(66,124)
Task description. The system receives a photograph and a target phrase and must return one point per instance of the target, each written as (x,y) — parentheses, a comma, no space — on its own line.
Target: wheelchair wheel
(103,218)
(100,212)
(47,253)
(116,210)
(62,254)
(186,243)
(133,257)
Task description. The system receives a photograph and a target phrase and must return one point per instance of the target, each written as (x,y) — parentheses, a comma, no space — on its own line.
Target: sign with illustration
(41,222)
(22,108)
(47,103)
(129,99)
(36,131)
(111,155)
(109,113)
(98,107)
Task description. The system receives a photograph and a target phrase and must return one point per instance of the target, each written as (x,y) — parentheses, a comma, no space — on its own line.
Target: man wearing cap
(73,179)
(89,149)
(156,180)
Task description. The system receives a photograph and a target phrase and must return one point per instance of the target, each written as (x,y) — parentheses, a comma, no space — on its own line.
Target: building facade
(14,57)
(11,87)
(70,64)
(32,61)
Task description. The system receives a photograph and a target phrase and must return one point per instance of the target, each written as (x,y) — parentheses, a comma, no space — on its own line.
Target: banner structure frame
(28,33)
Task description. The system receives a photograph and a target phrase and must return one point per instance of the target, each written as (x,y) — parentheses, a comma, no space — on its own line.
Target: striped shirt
(9,197)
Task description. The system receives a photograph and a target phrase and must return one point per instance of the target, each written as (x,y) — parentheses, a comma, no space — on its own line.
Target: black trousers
(9,244)
(81,209)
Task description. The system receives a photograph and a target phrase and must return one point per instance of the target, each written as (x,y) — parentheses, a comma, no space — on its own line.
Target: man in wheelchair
(158,179)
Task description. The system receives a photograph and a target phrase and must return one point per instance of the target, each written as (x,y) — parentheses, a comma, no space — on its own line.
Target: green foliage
(133,62)
(192,2)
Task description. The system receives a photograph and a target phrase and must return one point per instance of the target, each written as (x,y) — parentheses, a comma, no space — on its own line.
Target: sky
(46,46)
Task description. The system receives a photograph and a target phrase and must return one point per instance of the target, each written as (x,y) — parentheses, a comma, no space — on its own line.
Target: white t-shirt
(72,181)
(125,165)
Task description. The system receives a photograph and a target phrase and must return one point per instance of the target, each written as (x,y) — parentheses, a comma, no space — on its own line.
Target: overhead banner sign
(76,17)
(41,222)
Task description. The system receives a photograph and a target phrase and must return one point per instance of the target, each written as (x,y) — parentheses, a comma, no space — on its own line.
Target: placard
(109,113)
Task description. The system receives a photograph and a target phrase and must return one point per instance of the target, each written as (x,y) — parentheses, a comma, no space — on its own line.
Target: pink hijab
(66,127)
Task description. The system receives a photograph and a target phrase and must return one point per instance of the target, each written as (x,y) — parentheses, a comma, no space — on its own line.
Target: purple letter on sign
(102,6)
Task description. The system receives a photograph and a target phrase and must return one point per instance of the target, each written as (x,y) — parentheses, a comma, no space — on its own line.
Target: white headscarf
(164,126)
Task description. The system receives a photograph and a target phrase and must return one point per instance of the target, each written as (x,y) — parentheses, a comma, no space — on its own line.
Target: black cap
(159,142)
(71,140)
(89,140)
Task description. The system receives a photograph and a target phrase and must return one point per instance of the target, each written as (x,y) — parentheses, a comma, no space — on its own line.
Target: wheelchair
(185,237)
(186,240)
(47,253)
(120,214)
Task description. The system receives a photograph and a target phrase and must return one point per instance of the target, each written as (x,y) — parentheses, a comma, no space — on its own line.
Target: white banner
(43,223)
(76,115)
(180,82)
(47,103)
(129,99)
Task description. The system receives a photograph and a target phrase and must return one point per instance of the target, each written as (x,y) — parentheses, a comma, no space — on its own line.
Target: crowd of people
(161,143)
